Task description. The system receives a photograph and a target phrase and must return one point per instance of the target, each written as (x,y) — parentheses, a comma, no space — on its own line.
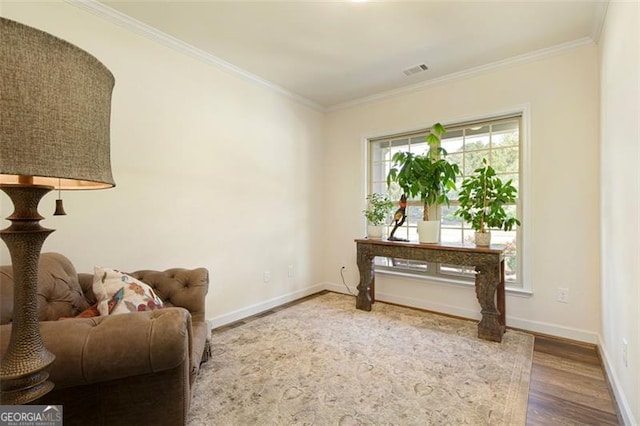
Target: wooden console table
(488,263)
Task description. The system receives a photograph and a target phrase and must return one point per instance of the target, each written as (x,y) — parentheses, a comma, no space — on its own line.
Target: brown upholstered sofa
(126,369)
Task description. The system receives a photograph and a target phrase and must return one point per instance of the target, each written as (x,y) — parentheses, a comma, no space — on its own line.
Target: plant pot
(375,231)
(483,239)
(429,231)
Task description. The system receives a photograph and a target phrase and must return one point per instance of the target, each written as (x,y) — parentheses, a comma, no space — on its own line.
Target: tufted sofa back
(62,292)
(185,288)
(59,293)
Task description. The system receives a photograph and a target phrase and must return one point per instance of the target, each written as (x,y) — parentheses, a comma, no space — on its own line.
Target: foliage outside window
(498,141)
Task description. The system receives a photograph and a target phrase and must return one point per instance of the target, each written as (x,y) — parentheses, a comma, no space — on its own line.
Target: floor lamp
(55,108)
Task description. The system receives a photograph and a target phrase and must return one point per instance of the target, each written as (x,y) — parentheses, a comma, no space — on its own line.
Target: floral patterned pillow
(119,293)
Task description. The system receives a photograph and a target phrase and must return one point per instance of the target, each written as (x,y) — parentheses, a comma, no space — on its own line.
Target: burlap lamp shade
(55,109)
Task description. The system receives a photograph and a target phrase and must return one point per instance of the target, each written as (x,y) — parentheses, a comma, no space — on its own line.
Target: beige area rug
(322,362)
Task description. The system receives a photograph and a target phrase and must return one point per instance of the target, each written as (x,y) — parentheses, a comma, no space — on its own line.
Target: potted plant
(379,208)
(482,200)
(428,176)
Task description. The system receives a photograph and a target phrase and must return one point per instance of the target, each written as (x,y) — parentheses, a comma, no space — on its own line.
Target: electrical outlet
(290,271)
(267,276)
(624,353)
(563,295)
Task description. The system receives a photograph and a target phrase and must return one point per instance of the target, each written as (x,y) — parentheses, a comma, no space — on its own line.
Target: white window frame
(523,284)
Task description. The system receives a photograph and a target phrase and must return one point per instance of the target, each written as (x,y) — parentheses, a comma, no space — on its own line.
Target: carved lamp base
(21,376)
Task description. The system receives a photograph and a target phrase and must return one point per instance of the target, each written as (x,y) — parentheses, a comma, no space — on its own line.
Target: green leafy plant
(427,176)
(379,207)
(482,199)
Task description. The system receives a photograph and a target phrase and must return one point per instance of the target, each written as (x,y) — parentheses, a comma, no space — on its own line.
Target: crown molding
(471,72)
(141,28)
(119,18)
(599,19)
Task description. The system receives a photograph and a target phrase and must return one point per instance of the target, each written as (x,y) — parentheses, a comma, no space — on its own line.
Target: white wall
(620,201)
(211,170)
(562,229)
(219,172)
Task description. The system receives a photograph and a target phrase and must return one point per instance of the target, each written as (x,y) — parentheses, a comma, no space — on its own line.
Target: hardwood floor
(568,384)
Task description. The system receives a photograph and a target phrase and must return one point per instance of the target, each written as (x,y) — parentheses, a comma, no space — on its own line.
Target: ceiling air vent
(415,69)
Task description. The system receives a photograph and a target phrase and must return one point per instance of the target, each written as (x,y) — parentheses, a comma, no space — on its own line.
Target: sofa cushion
(119,293)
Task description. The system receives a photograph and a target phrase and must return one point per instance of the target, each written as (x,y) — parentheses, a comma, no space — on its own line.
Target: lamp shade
(55,111)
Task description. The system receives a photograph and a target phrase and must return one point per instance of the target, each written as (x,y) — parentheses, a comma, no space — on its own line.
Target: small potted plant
(379,208)
(482,199)
(428,176)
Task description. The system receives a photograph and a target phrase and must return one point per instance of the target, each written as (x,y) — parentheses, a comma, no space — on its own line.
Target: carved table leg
(365,267)
(487,281)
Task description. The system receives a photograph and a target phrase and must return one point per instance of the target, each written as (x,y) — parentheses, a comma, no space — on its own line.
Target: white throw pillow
(119,293)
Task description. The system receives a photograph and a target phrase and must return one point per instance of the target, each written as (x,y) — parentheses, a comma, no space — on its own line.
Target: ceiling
(334,53)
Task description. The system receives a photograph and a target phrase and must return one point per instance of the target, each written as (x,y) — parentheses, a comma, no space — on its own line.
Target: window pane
(502,140)
(398,145)
(505,134)
(455,159)
(476,138)
(473,160)
(419,147)
(452,145)
(469,236)
(379,187)
(510,257)
(381,261)
(510,263)
(379,172)
(503,237)
(506,126)
(448,219)
(505,159)
(411,265)
(414,214)
(467,271)
(380,151)
(412,233)
(515,179)
(451,235)
(511,210)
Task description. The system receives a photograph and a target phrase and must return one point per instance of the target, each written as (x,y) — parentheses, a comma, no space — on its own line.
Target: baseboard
(620,398)
(554,330)
(339,288)
(263,306)
(519,323)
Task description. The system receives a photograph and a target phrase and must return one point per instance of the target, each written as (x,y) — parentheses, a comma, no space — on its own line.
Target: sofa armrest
(91,350)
